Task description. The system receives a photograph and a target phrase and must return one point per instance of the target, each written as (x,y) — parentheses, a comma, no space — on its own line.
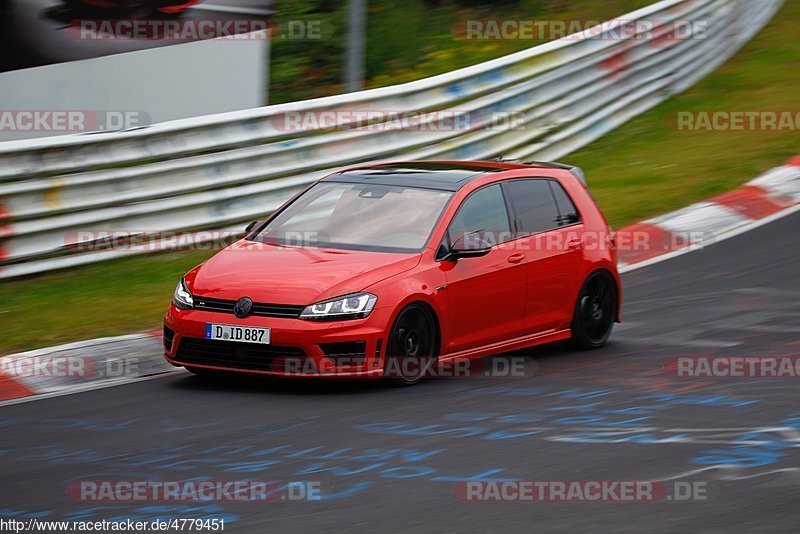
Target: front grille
(169,335)
(346,353)
(260,309)
(246,356)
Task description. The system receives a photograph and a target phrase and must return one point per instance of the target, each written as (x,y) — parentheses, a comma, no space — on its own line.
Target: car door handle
(516,258)
(575,244)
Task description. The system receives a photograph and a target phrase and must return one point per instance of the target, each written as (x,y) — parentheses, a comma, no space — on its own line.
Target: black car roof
(427,175)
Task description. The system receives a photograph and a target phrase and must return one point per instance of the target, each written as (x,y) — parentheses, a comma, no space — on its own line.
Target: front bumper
(295,349)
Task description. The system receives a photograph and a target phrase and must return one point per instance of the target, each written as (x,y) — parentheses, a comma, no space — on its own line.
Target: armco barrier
(220,170)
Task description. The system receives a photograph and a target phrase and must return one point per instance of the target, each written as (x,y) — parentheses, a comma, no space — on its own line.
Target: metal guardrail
(217,170)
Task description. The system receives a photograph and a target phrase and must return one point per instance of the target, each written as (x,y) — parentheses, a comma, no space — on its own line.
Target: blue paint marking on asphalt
(376,464)
(601,421)
(586,415)
(739,456)
(794,420)
(485,416)
(585,411)
(504,434)
(28,514)
(700,400)
(770,449)
(617,437)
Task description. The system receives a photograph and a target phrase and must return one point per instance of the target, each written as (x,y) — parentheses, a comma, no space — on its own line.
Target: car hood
(278,274)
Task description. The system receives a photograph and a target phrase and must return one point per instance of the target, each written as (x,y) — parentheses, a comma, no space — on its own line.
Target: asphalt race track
(388,459)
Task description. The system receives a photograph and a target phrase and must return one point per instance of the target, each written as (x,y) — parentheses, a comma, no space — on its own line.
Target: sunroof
(450,177)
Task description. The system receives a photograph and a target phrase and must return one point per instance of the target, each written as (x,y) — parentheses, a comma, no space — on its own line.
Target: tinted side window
(566,208)
(482,214)
(534,205)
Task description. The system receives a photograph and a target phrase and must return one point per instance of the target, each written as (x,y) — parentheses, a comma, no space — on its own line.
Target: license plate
(244,334)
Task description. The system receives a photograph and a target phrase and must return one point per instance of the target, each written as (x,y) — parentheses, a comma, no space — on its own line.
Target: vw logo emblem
(243,307)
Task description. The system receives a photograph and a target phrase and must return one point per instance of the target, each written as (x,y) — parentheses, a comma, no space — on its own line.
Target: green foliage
(645,169)
(406,39)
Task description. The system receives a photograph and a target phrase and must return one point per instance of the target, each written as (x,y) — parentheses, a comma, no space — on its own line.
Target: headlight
(355,306)
(182,298)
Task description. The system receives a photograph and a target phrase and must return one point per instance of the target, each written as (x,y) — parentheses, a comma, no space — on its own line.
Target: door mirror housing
(250,227)
(468,246)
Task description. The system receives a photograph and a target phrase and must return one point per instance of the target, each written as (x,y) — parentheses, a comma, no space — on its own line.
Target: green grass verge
(104,299)
(640,170)
(406,39)
(645,169)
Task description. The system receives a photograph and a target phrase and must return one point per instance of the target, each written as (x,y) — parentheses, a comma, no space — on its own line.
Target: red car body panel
(526,294)
(167,7)
(177,8)
(244,269)
(497,286)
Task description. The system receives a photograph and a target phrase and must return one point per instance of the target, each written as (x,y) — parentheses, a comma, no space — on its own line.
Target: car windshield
(358,216)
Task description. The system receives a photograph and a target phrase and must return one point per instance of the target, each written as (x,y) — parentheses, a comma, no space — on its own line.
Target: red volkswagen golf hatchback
(379,266)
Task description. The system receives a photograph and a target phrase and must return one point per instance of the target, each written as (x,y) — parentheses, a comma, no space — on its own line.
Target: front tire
(411,348)
(595,312)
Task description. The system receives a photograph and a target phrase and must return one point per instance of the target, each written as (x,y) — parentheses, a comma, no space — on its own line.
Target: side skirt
(512,344)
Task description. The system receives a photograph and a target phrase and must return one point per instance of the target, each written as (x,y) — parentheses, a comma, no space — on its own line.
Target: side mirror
(468,246)
(250,227)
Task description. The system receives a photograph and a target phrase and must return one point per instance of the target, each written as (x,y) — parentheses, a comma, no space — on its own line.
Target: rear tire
(595,312)
(411,347)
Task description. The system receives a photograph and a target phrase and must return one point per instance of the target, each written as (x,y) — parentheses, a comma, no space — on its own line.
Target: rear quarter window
(568,213)
(534,206)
